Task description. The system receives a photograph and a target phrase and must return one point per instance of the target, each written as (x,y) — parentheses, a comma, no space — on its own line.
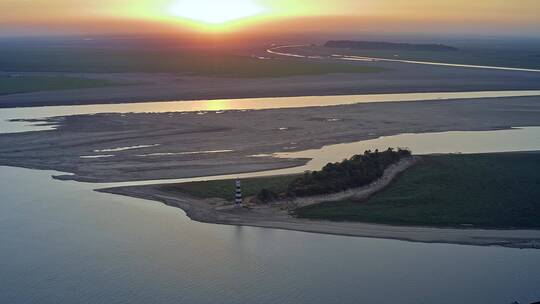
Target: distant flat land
(26,84)
(198,63)
(165,74)
(489,56)
(484,190)
(376,45)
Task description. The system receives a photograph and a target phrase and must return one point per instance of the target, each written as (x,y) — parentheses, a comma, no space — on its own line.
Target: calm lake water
(62,242)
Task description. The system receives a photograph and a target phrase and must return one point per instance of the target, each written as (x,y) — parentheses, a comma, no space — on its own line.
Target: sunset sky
(42,17)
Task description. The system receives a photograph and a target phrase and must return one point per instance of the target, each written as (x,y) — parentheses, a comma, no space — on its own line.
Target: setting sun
(215,11)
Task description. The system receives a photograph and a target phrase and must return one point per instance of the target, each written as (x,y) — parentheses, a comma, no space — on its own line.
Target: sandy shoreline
(205,211)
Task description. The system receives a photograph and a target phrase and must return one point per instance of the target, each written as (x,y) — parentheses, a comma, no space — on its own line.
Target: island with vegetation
(499,190)
(496,194)
(355,172)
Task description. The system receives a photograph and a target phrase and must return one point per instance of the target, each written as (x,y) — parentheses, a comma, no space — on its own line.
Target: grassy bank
(357,171)
(484,190)
(25,84)
(202,63)
(225,188)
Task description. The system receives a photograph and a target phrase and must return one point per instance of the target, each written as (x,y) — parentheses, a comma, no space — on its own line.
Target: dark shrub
(357,171)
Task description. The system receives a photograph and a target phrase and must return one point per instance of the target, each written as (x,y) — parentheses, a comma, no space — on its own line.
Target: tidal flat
(173,137)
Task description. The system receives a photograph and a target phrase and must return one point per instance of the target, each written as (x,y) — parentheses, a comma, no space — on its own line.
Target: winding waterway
(219,105)
(62,242)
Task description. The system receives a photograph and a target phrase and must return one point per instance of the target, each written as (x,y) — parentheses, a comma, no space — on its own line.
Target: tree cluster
(358,171)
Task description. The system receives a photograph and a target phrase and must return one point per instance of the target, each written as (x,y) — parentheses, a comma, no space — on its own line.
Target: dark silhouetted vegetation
(267,196)
(357,171)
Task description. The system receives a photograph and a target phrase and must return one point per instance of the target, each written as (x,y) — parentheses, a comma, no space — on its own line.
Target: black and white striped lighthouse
(238,194)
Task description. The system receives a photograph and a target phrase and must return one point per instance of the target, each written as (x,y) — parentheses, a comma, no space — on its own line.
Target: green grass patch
(225,188)
(201,63)
(484,190)
(25,84)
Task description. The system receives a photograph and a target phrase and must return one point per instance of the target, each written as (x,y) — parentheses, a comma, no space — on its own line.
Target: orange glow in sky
(489,16)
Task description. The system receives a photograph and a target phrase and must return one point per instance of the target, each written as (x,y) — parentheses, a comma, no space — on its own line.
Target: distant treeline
(358,171)
(375,45)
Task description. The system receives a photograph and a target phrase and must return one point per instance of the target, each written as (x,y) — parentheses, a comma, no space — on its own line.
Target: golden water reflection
(231,104)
